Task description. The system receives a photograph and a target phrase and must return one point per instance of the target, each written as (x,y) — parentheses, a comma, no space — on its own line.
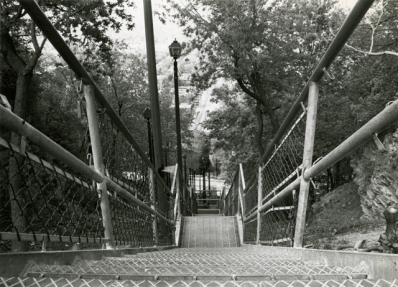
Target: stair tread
(209,231)
(63,282)
(195,270)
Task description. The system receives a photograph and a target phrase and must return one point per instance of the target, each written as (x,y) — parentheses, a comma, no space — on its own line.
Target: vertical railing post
(181,210)
(98,162)
(234,200)
(242,186)
(307,162)
(238,192)
(152,189)
(259,199)
(192,200)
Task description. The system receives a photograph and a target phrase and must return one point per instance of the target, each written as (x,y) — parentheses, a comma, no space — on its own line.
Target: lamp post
(175,52)
(147,116)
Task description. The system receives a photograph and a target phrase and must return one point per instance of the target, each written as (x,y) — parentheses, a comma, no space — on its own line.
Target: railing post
(307,162)
(238,193)
(98,162)
(192,199)
(152,189)
(242,187)
(259,199)
(181,211)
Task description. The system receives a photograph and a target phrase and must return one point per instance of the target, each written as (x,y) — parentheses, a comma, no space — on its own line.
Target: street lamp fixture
(175,50)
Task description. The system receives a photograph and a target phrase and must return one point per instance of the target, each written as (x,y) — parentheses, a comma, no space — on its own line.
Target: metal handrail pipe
(135,201)
(281,195)
(17,125)
(377,124)
(48,30)
(348,27)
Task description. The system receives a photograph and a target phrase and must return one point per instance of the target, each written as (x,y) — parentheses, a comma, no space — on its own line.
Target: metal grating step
(298,272)
(121,261)
(175,282)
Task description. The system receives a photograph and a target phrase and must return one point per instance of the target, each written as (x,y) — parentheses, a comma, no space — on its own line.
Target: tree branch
(373,53)
(33,35)
(245,89)
(369,53)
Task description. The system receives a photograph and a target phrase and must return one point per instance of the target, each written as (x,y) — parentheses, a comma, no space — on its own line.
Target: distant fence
(275,197)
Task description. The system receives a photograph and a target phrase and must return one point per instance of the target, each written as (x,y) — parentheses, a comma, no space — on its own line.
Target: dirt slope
(336,221)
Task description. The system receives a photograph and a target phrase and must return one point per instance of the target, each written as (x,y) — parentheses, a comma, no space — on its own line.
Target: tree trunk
(267,103)
(330,179)
(17,189)
(337,178)
(259,134)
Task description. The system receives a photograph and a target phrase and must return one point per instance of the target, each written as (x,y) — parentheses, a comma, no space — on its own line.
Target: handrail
(348,27)
(14,123)
(66,53)
(17,125)
(377,124)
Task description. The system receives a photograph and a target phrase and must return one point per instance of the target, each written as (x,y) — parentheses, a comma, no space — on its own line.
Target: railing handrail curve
(41,20)
(15,124)
(344,33)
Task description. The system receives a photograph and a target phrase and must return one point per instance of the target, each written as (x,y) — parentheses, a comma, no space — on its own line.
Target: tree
(80,22)
(260,45)
(378,35)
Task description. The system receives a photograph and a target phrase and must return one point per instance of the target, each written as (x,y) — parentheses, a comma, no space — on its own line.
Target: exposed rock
(376,174)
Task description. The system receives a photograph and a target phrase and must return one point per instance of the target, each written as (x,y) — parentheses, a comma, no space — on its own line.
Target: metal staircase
(211,258)
(237,266)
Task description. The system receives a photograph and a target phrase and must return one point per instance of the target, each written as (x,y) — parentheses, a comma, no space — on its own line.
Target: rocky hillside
(354,212)
(376,174)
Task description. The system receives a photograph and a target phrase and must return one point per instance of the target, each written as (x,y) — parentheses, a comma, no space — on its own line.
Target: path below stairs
(244,266)
(212,231)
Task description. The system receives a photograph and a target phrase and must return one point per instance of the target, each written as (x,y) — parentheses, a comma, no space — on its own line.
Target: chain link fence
(282,167)
(232,198)
(42,202)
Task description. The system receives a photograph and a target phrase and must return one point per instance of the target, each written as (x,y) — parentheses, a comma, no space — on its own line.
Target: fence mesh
(125,166)
(122,163)
(250,234)
(38,198)
(284,163)
(131,225)
(232,198)
(278,223)
(250,196)
(281,169)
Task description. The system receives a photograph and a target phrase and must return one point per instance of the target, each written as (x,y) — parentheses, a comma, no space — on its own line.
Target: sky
(164,34)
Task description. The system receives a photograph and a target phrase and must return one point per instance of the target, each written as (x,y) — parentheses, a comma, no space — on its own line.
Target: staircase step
(208,211)
(302,272)
(191,262)
(209,231)
(176,282)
